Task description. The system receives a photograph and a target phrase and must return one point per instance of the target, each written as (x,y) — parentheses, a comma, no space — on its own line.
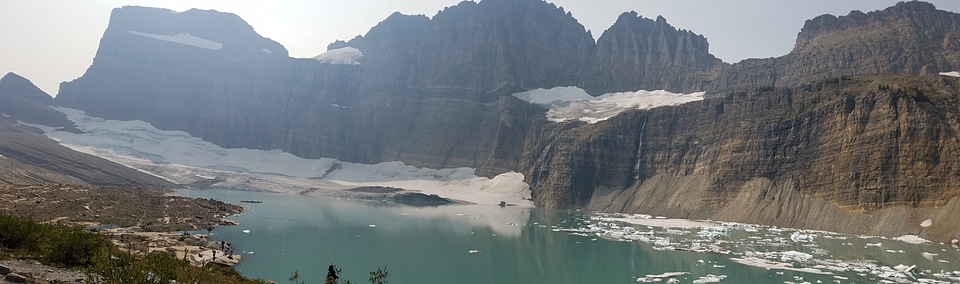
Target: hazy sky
(50,41)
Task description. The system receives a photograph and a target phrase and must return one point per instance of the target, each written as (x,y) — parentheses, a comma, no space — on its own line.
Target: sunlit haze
(53,41)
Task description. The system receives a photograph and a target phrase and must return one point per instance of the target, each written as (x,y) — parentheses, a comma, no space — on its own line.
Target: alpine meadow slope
(851,131)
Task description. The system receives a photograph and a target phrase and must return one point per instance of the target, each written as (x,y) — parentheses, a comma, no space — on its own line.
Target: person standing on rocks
(332,277)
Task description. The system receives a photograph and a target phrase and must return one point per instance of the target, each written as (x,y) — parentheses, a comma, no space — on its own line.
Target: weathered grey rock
(15,278)
(4,270)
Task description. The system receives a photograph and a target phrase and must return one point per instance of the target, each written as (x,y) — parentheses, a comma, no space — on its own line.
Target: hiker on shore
(332,277)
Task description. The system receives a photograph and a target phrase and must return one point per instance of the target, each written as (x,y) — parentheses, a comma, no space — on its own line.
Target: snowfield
(347,55)
(574,104)
(950,74)
(181,158)
(184,38)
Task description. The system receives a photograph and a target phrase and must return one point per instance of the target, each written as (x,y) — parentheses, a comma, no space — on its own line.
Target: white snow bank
(573,103)
(558,95)
(926,223)
(141,140)
(951,74)
(346,55)
(184,38)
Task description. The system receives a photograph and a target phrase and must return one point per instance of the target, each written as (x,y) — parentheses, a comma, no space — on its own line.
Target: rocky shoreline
(138,220)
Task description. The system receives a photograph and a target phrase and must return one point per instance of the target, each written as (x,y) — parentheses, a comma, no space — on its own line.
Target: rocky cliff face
(643,54)
(909,38)
(431,89)
(210,74)
(803,134)
(427,91)
(863,145)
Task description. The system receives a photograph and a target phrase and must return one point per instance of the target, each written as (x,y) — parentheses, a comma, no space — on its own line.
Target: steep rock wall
(860,145)
(909,38)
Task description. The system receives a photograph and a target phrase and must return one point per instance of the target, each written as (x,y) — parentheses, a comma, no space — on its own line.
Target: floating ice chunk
(372,226)
(874,245)
(927,255)
(246,231)
(911,239)
(667,275)
(267,51)
(710,278)
(795,256)
(904,268)
(769,264)
(648,280)
(710,232)
(950,74)
(184,38)
(473,251)
(341,56)
(803,238)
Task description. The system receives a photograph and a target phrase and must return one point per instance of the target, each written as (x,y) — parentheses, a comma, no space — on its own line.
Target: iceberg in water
(803,238)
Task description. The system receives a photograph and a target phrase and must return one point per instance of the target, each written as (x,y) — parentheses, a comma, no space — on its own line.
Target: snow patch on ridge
(184,38)
(141,140)
(346,55)
(573,103)
(950,74)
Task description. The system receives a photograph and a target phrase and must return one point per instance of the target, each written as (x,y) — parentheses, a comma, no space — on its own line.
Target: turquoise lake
(490,244)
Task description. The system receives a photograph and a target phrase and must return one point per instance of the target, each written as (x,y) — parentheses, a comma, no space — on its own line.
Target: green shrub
(22,234)
(73,246)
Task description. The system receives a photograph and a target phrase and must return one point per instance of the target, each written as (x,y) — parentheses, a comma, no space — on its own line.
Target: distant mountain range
(851,131)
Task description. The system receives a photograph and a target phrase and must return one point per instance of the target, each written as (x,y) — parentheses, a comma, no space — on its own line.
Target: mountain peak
(205,29)
(912,15)
(15,85)
(21,100)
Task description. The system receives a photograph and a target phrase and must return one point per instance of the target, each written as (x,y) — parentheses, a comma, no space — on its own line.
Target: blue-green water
(490,244)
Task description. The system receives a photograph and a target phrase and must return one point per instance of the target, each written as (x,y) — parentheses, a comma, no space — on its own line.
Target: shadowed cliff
(28,157)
